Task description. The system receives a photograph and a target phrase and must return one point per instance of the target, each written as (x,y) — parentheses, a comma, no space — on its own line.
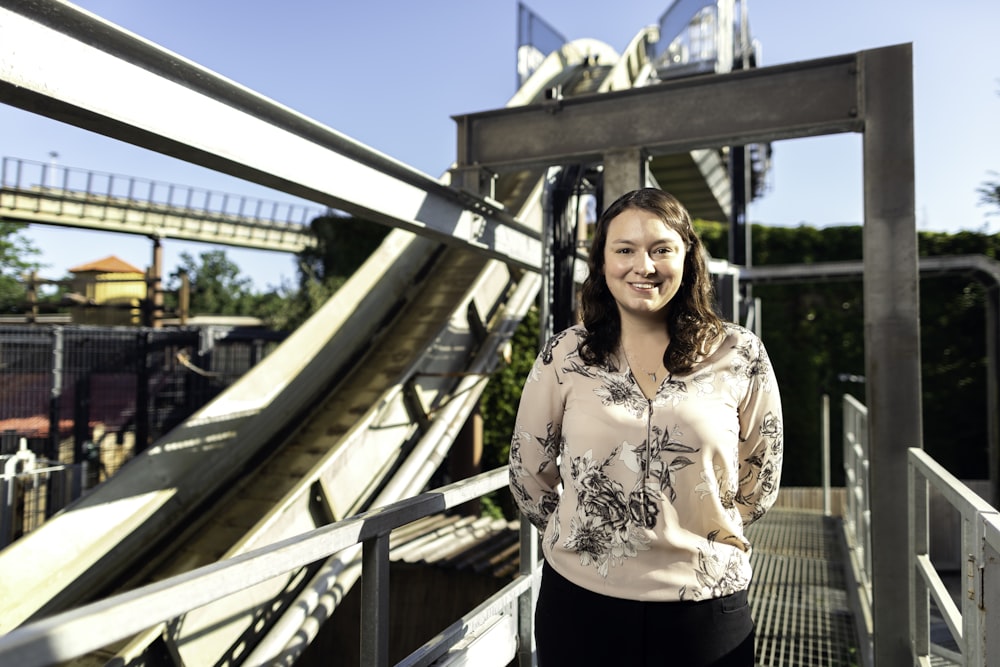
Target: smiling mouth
(644,285)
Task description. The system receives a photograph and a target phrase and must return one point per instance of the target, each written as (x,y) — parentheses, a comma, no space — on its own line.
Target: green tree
(217,285)
(16,253)
(989,194)
(814,331)
(498,405)
(343,243)
(289,306)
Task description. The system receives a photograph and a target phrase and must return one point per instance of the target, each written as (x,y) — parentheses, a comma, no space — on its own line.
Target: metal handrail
(967,624)
(62,183)
(77,632)
(856,471)
(857,521)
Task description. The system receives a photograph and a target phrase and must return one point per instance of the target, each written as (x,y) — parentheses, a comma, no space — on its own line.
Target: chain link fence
(77,402)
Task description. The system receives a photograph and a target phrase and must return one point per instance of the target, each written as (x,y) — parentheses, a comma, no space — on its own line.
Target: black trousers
(575,626)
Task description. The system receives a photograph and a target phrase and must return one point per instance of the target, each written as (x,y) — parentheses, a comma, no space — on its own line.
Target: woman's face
(643,263)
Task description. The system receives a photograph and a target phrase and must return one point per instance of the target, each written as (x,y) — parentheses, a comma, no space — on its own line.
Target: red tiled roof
(36,426)
(109,264)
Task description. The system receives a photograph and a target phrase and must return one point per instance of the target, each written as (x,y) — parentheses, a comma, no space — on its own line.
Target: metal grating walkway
(798,596)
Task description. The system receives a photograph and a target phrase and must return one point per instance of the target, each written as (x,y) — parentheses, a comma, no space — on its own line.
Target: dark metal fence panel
(101,394)
(26,383)
(98,394)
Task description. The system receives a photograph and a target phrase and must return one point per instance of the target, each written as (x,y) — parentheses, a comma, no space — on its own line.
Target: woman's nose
(644,264)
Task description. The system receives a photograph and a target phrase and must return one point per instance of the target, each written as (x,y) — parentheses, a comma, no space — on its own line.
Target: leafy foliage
(16,252)
(498,403)
(814,333)
(989,194)
(217,285)
(343,245)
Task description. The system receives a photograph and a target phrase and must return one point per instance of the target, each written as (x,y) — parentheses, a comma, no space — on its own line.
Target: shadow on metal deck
(799,595)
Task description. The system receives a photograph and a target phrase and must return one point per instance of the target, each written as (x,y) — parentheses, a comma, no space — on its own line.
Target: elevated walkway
(799,595)
(39,193)
(257,593)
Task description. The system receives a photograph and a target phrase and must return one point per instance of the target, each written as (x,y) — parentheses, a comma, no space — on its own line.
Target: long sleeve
(536,441)
(647,497)
(761,435)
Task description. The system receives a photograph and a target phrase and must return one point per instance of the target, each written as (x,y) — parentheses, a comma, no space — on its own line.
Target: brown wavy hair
(692,321)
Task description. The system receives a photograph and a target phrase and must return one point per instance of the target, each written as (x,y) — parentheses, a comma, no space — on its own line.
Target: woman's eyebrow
(662,241)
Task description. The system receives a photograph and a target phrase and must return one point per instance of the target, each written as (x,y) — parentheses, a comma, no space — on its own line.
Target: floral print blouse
(647,499)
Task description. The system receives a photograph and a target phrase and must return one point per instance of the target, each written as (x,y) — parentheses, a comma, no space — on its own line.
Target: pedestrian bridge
(49,194)
(233,538)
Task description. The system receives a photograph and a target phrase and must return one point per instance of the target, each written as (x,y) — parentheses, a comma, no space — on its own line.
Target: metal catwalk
(799,592)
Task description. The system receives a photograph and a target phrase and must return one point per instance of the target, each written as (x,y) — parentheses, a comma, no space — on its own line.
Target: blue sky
(392,73)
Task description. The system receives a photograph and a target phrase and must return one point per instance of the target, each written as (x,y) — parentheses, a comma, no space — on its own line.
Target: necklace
(633,363)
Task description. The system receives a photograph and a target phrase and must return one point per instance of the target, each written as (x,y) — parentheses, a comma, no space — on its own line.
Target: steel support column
(869,92)
(892,334)
(624,171)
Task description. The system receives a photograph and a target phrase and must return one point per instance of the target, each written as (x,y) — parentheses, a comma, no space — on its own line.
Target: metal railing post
(975,608)
(826,454)
(375,602)
(526,601)
(990,597)
(55,394)
(916,485)
(967,619)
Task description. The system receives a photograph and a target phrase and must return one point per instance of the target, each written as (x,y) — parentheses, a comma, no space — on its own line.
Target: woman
(647,438)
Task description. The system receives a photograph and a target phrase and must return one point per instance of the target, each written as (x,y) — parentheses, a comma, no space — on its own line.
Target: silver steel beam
(624,171)
(892,334)
(869,92)
(782,102)
(986,269)
(59,61)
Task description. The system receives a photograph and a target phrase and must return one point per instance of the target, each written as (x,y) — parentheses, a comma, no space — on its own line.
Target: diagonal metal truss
(62,62)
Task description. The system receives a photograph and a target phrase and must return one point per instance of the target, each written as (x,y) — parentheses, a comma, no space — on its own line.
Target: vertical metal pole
(33,281)
(154,291)
(624,171)
(919,542)
(55,393)
(528,563)
(971,546)
(528,555)
(990,601)
(81,416)
(892,332)
(144,349)
(184,301)
(8,495)
(546,323)
(992,393)
(375,602)
(563,204)
(739,251)
(739,227)
(826,454)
